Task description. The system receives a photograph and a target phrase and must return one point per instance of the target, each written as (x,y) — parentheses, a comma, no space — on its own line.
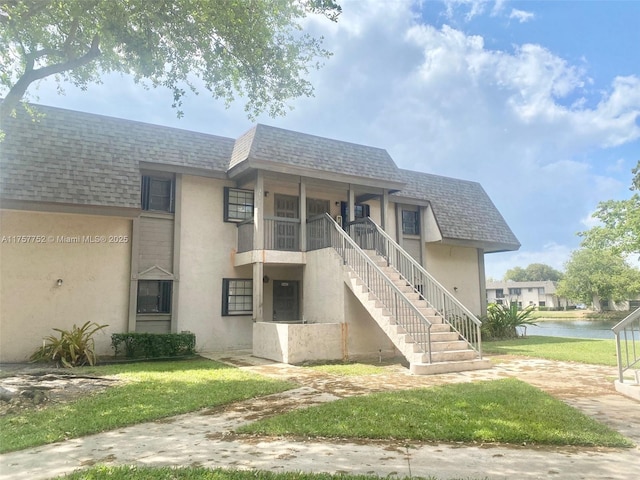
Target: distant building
(535,294)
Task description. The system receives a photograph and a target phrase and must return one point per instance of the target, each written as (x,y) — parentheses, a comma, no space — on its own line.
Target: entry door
(285,301)
(286,206)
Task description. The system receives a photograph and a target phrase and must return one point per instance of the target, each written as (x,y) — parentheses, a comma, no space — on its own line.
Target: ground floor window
(237,296)
(154,296)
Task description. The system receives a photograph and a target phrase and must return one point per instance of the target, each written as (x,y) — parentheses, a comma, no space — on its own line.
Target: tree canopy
(533,273)
(620,223)
(251,48)
(591,274)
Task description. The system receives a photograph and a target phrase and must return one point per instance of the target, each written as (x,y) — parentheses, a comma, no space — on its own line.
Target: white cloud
(521,15)
(524,122)
(473,7)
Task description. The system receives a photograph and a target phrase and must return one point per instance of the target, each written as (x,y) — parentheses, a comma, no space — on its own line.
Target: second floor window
(157,193)
(410,222)
(499,293)
(238,204)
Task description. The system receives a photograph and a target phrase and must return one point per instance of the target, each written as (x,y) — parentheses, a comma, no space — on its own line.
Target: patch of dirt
(34,390)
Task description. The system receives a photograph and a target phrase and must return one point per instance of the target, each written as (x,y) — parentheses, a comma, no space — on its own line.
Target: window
(157,193)
(238,205)
(154,296)
(541,291)
(360,210)
(514,291)
(543,304)
(499,293)
(317,207)
(237,296)
(499,302)
(410,222)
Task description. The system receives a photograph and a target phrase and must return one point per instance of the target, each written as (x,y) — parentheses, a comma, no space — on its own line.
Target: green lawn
(200,473)
(591,351)
(506,411)
(152,390)
(350,369)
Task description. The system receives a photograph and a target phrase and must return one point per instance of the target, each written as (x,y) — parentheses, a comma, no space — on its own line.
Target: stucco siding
(456,268)
(323,287)
(206,257)
(94,278)
(365,339)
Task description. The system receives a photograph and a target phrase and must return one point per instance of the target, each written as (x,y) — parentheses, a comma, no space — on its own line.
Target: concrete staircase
(448,352)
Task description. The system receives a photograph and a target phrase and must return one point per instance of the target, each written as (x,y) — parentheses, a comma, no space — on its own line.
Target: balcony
(282,240)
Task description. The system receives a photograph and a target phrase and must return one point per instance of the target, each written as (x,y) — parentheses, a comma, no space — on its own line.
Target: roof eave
(276,167)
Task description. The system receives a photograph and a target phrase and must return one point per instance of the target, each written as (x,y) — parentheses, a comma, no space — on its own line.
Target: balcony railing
(279,234)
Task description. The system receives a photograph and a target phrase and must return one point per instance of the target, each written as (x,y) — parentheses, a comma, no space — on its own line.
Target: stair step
(451,356)
(448,367)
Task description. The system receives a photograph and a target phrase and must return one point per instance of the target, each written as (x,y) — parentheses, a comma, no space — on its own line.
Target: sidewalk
(204,438)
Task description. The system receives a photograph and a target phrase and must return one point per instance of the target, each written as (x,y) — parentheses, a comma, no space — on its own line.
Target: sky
(539,101)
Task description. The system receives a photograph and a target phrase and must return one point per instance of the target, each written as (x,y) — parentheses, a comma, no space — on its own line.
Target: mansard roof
(277,149)
(462,209)
(77,158)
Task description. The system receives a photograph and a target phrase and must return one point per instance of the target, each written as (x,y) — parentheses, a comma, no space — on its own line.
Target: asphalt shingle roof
(78,158)
(264,145)
(462,209)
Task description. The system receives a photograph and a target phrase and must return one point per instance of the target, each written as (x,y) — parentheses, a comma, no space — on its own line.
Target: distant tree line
(601,268)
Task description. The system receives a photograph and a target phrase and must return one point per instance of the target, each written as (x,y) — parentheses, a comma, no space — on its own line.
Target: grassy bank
(591,351)
(577,315)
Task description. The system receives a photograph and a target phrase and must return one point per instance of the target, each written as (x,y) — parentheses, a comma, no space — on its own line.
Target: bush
(74,348)
(153,345)
(501,320)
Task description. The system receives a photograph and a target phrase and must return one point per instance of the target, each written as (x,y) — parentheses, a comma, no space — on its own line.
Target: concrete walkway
(205,438)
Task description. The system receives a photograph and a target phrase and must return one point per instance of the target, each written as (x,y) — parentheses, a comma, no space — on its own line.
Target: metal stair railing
(323,232)
(370,235)
(627,334)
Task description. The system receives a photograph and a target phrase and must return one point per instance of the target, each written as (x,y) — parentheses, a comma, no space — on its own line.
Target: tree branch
(29,76)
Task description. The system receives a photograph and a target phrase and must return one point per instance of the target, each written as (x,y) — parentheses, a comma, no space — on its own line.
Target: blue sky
(539,101)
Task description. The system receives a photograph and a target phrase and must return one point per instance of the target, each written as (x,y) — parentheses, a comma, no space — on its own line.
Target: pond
(573,328)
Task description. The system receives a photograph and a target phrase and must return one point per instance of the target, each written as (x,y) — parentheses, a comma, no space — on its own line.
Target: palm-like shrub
(74,348)
(502,319)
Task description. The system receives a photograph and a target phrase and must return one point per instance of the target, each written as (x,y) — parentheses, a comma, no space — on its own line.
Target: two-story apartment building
(527,294)
(295,246)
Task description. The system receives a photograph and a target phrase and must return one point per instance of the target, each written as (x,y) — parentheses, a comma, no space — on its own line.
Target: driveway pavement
(205,438)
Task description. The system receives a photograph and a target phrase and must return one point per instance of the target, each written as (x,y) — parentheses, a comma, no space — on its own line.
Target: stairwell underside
(448,353)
